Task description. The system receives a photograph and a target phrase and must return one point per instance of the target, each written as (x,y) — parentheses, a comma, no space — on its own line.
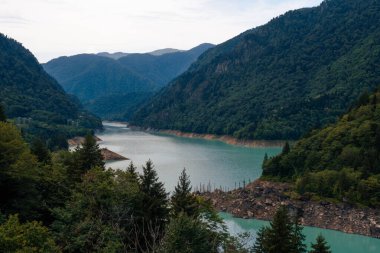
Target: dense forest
(102,82)
(340,161)
(277,81)
(35,101)
(69,202)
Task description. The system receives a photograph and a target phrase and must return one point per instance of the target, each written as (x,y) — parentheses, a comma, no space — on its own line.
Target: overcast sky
(52,28)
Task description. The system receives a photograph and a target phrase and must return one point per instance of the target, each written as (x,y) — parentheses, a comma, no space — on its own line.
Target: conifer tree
(298,238)
(155,200)
(40,150)
(131,169)
(89,155)
(280,235)
(260,245)
(265,160)
(183,201)
(320,246)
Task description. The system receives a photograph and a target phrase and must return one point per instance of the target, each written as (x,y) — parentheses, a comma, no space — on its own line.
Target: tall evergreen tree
(131,169)
(260,245)
(183,201)
(89,155)
(154,204)
(298,238)
(320,246)
(39,149)
(280,234)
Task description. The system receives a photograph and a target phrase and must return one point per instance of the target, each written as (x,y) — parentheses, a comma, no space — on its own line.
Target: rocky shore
(109,155)
(261,199)
(223,138)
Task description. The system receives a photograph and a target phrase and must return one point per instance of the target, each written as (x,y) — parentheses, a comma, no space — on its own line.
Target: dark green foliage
(278,81)
(19,175)
(182,200)
(132,171)
(320,246)
(117,107)
(113,88)
(90,209)
(298,239)
(27,237)
(286,148)
(339,161)
(34,100)
(261,245)
(283,235)
(40,150)
(97,216)
(188,235)
(88,156)
(2,114)
(155,198)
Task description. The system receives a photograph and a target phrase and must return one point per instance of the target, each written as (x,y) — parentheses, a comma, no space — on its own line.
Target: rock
(109,155)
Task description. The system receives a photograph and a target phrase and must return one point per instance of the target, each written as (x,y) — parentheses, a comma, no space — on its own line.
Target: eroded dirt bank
(261,199)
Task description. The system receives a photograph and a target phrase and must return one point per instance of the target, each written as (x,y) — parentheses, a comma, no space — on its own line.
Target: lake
(216,164)
(207,162)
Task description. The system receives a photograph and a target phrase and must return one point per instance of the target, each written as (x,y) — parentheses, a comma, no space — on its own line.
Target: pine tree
(154,209)
(3,118)
(183,201)
(280,234)
(260,245)
(265,160)
(320,246)
(40,150)
(89,156)
(298,238)
(132,171)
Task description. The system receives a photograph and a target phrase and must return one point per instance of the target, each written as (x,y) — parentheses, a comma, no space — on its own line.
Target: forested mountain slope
(277,81)
(100,82)
(36,101)
(341,160)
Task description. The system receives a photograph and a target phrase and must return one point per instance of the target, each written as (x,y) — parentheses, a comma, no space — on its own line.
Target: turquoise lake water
(212,163)
(207,162)
(338,241)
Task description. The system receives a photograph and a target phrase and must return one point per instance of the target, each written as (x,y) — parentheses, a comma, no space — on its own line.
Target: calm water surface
(338,241)
(207,162)
(212,163)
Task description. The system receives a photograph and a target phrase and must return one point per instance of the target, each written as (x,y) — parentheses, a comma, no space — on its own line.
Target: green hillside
(103,84)
(339,161)
(35,101)
(278,81)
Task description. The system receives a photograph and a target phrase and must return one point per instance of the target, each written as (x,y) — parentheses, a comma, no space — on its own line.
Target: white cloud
(50,28)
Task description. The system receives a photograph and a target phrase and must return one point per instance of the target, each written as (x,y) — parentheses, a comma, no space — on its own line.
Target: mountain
(277,81)
(165,51)
(90,76)
(34,100)
(114,56)
(99,81)
(340,161)
(158,52)
(161,69)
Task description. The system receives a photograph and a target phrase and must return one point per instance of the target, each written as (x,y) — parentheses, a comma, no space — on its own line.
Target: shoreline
(212,137)
(260,200)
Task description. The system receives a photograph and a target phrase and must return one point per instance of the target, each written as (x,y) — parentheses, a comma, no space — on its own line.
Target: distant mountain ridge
(96,79)
(158,52)
(277,81)
(35,101)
